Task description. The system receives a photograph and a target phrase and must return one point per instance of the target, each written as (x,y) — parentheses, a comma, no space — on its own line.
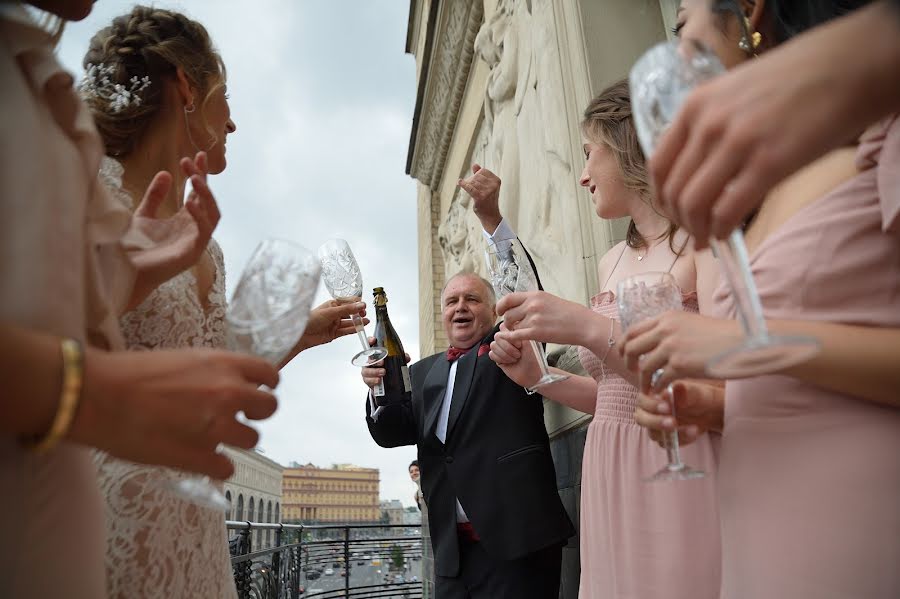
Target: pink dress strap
(879,147)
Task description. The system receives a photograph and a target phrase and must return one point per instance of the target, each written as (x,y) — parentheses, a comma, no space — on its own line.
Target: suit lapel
(433,390)
(465,372)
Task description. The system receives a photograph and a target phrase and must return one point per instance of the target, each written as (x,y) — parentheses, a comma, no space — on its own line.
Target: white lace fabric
(160,546)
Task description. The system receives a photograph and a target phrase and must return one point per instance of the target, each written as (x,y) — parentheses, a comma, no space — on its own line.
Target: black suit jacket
(496,460)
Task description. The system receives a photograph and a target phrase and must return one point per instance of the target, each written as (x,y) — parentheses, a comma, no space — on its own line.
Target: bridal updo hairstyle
(608,121)
(150,42)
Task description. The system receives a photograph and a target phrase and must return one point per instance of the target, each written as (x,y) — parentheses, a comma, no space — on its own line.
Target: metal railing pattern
(280,571)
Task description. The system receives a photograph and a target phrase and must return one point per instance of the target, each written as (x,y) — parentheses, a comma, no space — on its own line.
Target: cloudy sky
(322,94)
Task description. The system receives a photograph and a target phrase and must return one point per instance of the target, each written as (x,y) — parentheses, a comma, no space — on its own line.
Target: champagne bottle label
(378,390)
(407,385)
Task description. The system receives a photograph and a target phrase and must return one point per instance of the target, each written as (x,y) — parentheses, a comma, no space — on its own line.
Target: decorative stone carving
(524,138)
(455,236)
(448,71)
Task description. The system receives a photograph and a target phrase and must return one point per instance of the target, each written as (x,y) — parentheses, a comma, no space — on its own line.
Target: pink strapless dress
(642,540)
(809,479)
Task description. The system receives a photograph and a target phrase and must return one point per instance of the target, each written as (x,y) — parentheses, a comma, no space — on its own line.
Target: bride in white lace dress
(160,545)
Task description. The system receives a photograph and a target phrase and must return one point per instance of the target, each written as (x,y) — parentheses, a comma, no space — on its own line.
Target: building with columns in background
(342,493)
(254,491)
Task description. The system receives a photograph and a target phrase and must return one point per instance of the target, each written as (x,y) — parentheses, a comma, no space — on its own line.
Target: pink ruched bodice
(641,539)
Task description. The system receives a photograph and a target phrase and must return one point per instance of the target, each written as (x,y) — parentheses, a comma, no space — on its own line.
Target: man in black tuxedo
(497,524)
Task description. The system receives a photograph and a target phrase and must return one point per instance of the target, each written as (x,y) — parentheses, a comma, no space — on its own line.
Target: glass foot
(762,356)
(547,379)
(200,491)
(675,472)
(369,356)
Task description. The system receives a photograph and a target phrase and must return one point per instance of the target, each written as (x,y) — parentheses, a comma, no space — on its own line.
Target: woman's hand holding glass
(660,81)
(329,321)
(343,279)
(510,271)
(700,406)
(266,317)
(172,407)
(544,317)
(640,298)
(676,345)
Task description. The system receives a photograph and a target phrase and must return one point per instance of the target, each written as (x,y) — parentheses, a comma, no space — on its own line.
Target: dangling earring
(749,45)
(190,110)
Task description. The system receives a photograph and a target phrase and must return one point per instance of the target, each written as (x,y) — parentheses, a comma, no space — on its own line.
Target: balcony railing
(327,561)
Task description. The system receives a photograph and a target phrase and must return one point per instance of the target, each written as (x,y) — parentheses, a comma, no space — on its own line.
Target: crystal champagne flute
(641,297)
(343,279)
(660,81)
(510,270)
(266,316)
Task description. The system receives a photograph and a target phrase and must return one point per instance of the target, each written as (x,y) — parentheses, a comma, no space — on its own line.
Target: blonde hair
(608,121)
(155,43)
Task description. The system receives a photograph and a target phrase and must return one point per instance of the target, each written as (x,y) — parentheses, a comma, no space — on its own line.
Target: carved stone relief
(459,22)
(524,137)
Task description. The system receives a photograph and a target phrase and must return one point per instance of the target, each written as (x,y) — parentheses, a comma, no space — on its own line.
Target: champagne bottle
(395,387)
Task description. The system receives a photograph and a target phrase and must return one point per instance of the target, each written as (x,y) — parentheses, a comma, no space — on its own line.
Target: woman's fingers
(509,302)
(654,421)
(154,195)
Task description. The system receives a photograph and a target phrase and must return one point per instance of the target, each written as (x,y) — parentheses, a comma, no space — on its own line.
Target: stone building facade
(504,83)
(342,493)
(392,512)
(254,491)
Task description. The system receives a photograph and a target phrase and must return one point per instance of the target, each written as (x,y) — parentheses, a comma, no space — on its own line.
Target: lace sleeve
(111,172)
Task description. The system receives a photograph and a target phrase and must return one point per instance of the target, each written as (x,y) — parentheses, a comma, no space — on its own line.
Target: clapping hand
(177,242)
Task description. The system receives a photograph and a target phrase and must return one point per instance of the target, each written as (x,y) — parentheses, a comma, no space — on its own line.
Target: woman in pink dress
(637,539)
(809,477)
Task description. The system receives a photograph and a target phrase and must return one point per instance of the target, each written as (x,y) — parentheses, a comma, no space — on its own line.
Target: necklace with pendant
(640,256)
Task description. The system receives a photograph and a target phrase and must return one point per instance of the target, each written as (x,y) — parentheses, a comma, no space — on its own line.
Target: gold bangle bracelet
(73,374)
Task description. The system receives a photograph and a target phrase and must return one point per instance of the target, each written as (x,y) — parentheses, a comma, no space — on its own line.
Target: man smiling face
(468,310)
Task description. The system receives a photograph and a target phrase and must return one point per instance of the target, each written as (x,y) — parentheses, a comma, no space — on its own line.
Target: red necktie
(454,353)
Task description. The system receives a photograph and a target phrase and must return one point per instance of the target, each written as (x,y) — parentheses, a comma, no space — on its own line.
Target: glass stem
(360,330)
(735,263)
(673,447)
(542,359)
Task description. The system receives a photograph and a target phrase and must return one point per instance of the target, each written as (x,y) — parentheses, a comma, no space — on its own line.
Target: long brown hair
(608,121)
